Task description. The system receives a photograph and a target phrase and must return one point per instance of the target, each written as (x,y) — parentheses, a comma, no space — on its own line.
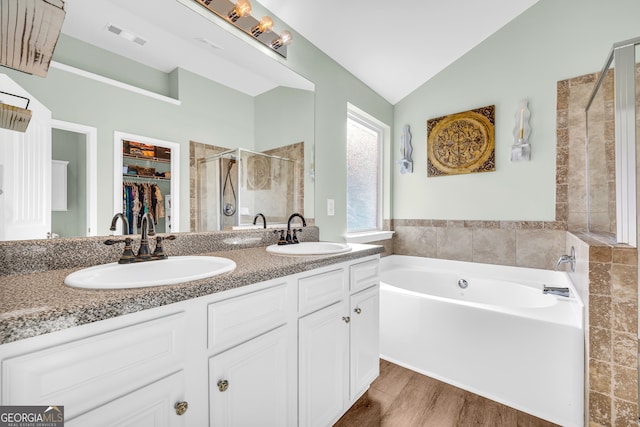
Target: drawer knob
(181,407)
(358,310)
(223,385)
(346,319)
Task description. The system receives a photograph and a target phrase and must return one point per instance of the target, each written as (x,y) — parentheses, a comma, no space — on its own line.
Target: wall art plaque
(461,143)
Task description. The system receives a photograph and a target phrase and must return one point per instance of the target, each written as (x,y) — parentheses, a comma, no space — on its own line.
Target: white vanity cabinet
(365,340)
(122,371)
(338,343)
(324,365)
(248,384)
(252,364)
(298,350)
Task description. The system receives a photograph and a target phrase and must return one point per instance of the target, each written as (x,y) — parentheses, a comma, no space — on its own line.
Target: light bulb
(242,8)
(265,24)
(284,39)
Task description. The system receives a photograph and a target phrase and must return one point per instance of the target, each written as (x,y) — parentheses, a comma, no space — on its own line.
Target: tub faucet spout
(568,259)
(563,292)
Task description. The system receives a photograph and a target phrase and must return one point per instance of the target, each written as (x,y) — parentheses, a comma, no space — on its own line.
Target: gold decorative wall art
(461,143)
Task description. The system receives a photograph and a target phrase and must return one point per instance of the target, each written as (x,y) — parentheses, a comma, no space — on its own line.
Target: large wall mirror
(237,97)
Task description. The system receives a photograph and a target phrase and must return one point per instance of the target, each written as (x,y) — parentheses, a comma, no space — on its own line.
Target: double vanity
(281,340)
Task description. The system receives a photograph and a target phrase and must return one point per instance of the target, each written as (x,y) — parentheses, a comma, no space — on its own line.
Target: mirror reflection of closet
(147,179)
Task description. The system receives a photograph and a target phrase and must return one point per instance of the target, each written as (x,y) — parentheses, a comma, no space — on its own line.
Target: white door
(324,365)
(365,339)
(25,168)
(248,384)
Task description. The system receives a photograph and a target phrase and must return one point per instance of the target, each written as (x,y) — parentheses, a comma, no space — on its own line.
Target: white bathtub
(501,337)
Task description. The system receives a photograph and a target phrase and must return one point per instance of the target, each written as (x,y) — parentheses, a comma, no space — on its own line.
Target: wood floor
(400,397)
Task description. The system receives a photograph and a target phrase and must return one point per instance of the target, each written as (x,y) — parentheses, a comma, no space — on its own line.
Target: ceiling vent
(29,32)
(126,34)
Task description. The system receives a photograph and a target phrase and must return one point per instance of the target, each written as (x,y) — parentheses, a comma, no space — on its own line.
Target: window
(365,144)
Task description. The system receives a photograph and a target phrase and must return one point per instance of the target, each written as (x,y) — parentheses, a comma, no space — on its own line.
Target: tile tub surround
(28,256)
(533,244)
(38,303)
(610,292)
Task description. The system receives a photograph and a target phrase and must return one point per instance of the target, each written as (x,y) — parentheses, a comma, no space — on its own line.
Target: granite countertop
(38,303)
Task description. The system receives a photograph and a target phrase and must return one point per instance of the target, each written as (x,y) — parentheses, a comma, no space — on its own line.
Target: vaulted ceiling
(393,47)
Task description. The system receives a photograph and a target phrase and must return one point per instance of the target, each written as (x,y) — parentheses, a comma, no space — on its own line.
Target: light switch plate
(331,207)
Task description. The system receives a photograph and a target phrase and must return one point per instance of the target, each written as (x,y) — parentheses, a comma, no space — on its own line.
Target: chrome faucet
(563,292)
(568,259)
(264,220)
(125,223)
(148,229)
(293,238)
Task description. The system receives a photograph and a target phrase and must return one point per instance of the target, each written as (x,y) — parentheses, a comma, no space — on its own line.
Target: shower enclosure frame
(627,222)
(236,155)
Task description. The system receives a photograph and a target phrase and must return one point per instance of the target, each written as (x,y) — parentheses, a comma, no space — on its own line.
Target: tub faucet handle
(568,259)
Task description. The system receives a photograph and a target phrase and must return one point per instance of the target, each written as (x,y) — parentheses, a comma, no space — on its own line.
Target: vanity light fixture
(238,14)
(266,24)
(284,40)
(241,9)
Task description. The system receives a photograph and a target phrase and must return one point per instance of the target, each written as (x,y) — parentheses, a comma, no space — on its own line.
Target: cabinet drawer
(321,290)
(87,373)
(239,319)
(364,274)
(152,405)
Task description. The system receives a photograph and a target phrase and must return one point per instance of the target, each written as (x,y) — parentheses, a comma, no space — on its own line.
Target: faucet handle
(295,236)
(127,256)
(159,252)
(281,240)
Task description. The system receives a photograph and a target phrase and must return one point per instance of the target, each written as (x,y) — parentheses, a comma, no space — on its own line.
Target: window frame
(368,121)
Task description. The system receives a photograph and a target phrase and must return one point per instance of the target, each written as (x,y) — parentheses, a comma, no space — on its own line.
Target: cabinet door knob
(181,407)
(223,385)
(358,310)
(346,319)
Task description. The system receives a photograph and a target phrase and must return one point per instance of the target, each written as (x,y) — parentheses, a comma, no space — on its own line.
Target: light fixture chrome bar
(227,11)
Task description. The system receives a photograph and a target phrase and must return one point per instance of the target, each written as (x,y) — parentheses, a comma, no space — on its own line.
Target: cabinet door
(249,384)
(150,406)
(365,339)
(324,365)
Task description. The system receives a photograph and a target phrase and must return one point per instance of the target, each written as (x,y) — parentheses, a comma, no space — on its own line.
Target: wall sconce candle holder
(239,15)
(521,149)
(406,164)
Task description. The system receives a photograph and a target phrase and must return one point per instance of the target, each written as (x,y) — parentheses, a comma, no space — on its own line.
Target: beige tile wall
(611,299)
(522,244)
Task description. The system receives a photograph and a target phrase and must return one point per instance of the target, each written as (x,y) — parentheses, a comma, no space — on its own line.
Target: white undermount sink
(170,271)
(309,248)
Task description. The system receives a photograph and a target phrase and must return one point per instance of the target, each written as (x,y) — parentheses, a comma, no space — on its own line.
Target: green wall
(553,40)
(71,147)
(284,116)
(209,112)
